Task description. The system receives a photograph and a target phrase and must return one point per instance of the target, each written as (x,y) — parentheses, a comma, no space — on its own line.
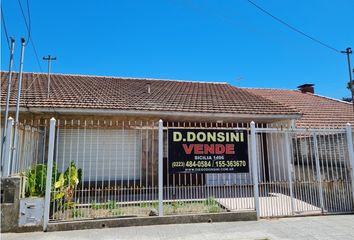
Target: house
(76,100)
(317,112)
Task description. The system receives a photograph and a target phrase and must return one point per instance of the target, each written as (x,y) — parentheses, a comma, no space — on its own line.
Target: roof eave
(163,114)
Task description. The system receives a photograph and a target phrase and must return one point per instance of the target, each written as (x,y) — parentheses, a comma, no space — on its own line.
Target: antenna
(49,59)
(238,80)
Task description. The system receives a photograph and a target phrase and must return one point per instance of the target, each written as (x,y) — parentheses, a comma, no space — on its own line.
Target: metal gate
(305,171)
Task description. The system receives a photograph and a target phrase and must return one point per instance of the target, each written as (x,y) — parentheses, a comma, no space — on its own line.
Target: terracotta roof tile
(318,111)
(91,92)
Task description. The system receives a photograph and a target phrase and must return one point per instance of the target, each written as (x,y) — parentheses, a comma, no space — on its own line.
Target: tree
(347,99)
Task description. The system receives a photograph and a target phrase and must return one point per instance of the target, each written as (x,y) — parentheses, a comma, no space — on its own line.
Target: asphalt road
(322,227)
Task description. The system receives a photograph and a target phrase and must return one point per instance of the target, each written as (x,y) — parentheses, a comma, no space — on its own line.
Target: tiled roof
(318,111)
(94,92)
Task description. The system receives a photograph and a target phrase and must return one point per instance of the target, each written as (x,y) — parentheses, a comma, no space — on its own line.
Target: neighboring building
(317,111)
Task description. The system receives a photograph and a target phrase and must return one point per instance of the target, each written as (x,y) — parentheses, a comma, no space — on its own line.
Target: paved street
(324,227)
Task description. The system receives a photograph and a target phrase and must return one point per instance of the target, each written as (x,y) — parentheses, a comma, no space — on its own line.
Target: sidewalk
(322,227)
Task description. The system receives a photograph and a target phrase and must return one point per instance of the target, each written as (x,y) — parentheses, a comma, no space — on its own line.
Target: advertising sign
(207,151)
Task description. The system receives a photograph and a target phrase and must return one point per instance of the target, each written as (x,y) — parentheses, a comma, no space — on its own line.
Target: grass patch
(213,205)
(141,209)
(117,212)
(77,213)
(154,204)
(211,201)
(214,209)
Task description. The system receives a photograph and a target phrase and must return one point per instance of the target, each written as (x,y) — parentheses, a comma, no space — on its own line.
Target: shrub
(210,201)
(65,186)
(111,205)
(214,209)
(36,180)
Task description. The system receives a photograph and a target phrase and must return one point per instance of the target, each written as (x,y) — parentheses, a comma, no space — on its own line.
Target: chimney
(148,88)
(307,88)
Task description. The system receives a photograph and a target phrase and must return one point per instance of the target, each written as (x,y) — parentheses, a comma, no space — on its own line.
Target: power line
(203,9)
(28,25)
(5,28)
(29,15)
(293,28)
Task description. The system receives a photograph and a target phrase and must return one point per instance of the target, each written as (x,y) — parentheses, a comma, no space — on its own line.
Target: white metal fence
(305,172)
(230,191)
(29,150)
(106,168)
(117,167)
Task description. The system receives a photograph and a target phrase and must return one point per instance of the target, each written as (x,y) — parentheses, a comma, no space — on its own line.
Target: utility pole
(349,51)
(49,59)
(14,142)
(4,135)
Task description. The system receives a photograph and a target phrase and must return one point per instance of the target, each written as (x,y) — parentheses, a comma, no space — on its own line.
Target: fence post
(350,154)
(255,168)
(318,170)
(289,168)
(6,161)
(49,173)
(160,156)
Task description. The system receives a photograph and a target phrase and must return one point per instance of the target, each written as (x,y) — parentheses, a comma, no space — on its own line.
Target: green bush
(111,205)
(212,204)
(63,185)
(36,180)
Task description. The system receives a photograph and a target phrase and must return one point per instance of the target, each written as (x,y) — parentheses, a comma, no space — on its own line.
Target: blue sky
(219,41)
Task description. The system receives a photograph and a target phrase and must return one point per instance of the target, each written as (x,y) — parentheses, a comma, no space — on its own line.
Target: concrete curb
(146,221)
(25,229)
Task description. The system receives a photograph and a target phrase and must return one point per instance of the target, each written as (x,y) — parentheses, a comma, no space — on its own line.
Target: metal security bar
(304,172)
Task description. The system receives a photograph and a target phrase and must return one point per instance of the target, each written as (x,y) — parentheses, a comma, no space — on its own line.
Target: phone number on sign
(198,164)
(231,163)
(209,164)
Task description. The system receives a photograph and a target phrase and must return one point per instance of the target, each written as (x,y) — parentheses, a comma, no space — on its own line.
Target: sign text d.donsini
(207,151)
